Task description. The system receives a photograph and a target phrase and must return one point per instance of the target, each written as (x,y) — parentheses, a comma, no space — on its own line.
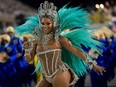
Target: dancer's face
(46,25)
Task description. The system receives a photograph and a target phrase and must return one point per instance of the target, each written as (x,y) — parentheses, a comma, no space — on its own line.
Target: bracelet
(34,40)
(91,66)
(89,61)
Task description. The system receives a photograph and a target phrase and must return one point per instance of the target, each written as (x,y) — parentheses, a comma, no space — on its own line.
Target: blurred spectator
(15,49)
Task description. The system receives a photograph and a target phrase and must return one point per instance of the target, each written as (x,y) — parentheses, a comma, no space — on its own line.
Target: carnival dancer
(60,54)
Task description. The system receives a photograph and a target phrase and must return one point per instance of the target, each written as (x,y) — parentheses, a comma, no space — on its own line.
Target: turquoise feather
(69,18)
(76,18)
(78,38)
(38,67)
(27,27)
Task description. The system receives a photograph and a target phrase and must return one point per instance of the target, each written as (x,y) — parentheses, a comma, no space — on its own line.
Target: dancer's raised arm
(30,50)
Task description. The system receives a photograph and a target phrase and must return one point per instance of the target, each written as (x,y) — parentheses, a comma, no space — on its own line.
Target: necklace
(47,38)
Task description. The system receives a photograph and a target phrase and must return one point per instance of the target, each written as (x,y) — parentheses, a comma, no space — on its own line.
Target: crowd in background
(15,71)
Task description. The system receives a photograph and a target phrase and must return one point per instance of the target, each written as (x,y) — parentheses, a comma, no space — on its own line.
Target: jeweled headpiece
(47,9)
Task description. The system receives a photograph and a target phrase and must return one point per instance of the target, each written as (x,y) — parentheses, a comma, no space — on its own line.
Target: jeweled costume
(53,60)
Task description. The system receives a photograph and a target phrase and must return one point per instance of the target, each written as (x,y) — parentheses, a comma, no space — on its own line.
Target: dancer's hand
(27,48)
(98,69)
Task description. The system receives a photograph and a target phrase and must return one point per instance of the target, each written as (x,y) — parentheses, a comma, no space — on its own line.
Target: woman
(49,46)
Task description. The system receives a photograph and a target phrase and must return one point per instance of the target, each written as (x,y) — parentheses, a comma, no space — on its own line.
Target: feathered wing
(76,18)
(28,27)
(70,18)
(79,38)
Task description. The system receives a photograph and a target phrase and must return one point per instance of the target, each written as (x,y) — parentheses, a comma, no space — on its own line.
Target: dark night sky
(60,3)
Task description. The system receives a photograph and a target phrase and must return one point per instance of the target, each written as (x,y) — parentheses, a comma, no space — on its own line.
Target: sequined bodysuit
(51,64)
